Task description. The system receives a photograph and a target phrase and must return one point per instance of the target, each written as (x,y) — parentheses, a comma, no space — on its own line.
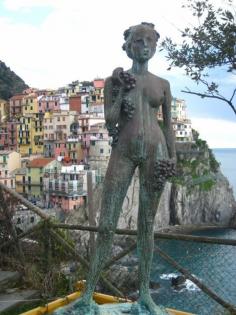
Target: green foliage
(214,165)
(201,144)
(207,185)
(209,44)
(10,83)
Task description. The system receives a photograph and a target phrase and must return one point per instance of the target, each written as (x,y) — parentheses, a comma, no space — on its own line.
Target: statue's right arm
(112,107)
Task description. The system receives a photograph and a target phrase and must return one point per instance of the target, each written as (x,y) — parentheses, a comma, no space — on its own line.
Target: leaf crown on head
(128,33)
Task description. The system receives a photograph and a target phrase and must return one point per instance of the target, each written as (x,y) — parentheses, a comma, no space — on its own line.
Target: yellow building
(34,176)
(4,110)
(20,179)
(30,129)
(30,104)
(9,162)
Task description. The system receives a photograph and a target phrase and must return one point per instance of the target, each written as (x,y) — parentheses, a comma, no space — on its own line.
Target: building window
(31,219)
(101,151)
(5,173)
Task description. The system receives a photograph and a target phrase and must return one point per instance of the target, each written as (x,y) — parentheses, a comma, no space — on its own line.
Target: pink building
(16,105)
(67,189)
(48,103)
(3,137)
(67,203)
(95,132)
(60,148)
(12,134)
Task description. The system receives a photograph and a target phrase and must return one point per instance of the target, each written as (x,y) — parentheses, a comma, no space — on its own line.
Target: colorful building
(16,105)
(48,103)
(58,127)
(12,134)
(30,134)
(66,190)
(3,136)
(75,103)
(74,149)
(34,177)
(20,180)
(9,162)
(183,131)
(4,110)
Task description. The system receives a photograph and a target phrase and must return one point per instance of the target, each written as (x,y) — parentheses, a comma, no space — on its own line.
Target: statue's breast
(153,91)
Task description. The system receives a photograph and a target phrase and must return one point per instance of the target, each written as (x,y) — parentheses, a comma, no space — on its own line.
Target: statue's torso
(142,132)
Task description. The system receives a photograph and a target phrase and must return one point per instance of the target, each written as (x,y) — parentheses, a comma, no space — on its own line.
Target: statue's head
(141,41)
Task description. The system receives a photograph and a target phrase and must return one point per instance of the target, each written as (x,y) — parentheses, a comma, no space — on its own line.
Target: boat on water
(99,298)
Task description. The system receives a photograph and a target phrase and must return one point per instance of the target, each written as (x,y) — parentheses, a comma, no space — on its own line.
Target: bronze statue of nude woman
(131,101)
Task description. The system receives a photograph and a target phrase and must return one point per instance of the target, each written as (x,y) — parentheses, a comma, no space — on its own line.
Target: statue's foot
(79,307)
(147,307)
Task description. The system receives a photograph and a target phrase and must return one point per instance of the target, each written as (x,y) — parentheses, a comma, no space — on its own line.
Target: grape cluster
(128,108)
(163,170)
(128,80)
(114,133)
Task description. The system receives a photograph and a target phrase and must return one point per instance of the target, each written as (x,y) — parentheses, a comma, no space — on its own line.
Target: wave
(187,285)
(167,276)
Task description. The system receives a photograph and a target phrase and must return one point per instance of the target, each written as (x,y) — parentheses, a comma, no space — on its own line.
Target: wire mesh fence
(213,264)
(51,259)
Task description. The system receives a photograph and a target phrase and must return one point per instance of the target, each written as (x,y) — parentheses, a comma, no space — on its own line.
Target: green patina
(131,103)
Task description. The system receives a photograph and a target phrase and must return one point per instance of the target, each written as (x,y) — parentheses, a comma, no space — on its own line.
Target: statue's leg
(118,177)
(148,202)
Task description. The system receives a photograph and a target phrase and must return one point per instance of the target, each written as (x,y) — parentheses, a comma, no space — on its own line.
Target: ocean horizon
(227,157)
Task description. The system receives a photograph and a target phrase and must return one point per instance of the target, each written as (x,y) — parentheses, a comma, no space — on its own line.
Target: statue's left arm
(168,129)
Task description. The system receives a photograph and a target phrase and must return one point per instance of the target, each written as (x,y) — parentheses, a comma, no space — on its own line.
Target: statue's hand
(116,78)
(123,79)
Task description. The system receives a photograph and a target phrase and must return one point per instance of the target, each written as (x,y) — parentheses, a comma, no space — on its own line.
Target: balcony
(34,183)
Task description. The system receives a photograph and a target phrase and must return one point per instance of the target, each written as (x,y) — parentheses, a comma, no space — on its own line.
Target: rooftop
(40,162)
(98,83)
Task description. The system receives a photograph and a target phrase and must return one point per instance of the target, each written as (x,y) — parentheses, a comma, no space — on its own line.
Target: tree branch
(203,95)
(233,95)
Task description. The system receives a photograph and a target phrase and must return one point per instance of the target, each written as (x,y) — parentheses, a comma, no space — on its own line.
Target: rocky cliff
(199,194)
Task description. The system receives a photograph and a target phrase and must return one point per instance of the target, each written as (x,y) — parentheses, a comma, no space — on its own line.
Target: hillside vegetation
(10,83)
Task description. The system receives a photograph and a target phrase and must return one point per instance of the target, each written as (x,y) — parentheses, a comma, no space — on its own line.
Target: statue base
(112,309)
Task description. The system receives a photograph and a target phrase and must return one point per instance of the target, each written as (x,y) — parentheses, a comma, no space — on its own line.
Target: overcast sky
(50,43)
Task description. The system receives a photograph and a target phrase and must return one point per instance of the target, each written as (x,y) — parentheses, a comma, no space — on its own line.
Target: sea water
(227,159)
(214,265)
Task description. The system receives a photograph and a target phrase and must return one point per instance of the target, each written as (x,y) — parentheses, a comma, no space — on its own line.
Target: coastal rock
(178,281)
(194,205)
(128,217)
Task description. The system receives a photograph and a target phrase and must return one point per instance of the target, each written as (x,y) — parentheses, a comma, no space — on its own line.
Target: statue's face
(142,45)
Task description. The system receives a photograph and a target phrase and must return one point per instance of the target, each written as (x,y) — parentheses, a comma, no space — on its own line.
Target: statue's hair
(128,33)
